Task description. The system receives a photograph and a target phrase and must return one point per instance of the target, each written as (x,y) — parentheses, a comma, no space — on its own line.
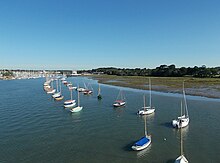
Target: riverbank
(207,87)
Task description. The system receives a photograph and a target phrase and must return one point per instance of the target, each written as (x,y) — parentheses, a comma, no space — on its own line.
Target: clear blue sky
(85,34)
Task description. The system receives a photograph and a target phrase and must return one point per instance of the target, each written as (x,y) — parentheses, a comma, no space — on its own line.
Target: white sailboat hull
(46,84)
(71,88)
(147,111)
(56,95)
(69,102)
(87,92)
(51,92)
(69,85)
(81,89)
(181,159)
(184,122)
(69,105)
(58,98)
(76,109)
(64,82)
(119,104)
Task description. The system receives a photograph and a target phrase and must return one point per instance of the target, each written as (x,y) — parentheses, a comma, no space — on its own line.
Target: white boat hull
(69,102)
(76,109)
(56,95)
(181,159)
(51,92)
(69,85)
(184,122)
(59,98)
(138,148)
(71,88)
(69,105)
(87,92)
(81,89)
(119,104)
(147,111)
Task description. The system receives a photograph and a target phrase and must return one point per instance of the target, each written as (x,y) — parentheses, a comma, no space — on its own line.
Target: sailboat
(65,82)
(69,84)
(51,90)
(78,108)
(88,91)
(60,97)
(81,89)
(145,141)
(149,109)
(183,120)
(47,86)
(181,158)
(71,87)
(99,96)
(58,93)
(70,103)
(120,101)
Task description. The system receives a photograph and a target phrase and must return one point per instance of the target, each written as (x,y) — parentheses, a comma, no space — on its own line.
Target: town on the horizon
(161,71)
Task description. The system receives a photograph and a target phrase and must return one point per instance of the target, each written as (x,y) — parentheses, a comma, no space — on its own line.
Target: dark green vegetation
(7,73)
(161,71)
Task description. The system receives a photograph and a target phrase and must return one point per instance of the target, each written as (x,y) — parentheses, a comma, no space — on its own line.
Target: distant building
(86,74)
(74,73)
(98,73)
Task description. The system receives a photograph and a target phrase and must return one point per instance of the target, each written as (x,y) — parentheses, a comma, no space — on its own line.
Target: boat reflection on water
(150,117)
(76,117)
(119,111)
(144,152)
(185,131)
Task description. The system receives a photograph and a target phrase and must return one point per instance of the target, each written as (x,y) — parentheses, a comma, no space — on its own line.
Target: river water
(35,128)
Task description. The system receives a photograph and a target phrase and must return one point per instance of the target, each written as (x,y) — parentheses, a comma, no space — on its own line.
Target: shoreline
(209,88)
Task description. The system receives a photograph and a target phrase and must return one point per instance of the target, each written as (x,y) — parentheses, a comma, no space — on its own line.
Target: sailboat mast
(78,99)
(71,94)
(60,85)
(85,85)
(99,90)
(145,125)
(52,83)
(185,104)
(57,85)
(150,90)
(181,140)
(121,96)
(144,102)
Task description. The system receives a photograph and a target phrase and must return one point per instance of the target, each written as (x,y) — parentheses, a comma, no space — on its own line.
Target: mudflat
(207,87)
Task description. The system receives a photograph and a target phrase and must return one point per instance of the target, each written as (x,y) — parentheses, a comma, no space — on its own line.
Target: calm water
(34,128)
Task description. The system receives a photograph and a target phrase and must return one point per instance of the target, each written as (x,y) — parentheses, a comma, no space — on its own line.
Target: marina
(35,128)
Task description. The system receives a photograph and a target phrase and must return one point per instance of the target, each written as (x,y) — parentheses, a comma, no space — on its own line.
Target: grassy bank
(208,87)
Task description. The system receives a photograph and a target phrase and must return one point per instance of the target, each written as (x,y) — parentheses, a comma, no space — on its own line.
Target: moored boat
(78,108)
(147,109)
(183,120)
(120,101)
(181,158)
(99,96)
(70,103)
(143,142)
(59,98)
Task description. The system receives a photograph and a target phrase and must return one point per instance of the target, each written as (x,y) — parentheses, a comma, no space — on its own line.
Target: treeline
(7,73)
(162,71)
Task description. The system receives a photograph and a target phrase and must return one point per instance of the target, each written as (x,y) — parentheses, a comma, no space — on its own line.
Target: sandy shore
(206,87)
